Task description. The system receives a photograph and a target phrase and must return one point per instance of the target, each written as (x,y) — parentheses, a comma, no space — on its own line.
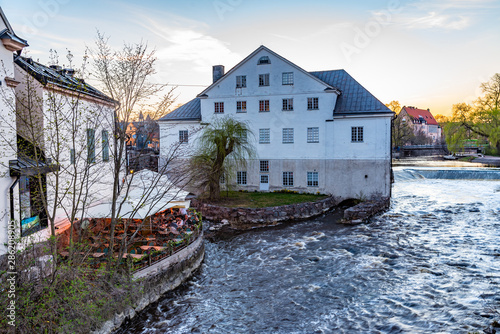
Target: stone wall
(159,278)
(247,218)
(361,212)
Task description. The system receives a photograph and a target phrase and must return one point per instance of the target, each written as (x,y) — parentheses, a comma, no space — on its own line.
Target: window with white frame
(312,179)
(264,60)
(313,135)
(219,107)
(288,179)
(264,79)
(356,134)
(287,104)
(264,136)
(183,136)
(263,105)
(264,166)
(287,135)
(241,106)
(222,179)
(312,103)
(287,78)
(241,178)
(241,81)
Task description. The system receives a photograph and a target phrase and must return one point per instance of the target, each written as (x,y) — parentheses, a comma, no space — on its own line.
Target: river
(430,264)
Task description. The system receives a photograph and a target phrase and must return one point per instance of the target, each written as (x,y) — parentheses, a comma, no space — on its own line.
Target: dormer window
(264,60)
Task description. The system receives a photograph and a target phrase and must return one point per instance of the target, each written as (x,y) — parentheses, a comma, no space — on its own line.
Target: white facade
(307,147)
(10,44)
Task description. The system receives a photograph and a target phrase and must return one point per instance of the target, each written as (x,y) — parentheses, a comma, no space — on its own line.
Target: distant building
(143,134)
(314,131)
(423,123)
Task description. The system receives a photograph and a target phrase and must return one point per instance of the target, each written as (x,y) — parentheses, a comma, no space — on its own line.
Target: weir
(447,174)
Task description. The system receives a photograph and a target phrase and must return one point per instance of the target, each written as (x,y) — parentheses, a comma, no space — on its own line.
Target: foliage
(70,299)
(402,133)
(222,146)
(481,120)
(265,199)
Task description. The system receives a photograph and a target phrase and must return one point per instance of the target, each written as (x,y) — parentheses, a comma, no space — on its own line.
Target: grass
(263,200)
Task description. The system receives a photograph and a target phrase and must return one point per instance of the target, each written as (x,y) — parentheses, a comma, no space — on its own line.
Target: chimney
(218,72)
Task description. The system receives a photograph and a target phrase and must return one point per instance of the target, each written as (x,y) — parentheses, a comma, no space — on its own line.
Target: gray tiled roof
(59,78)
(354,98)
(190,111)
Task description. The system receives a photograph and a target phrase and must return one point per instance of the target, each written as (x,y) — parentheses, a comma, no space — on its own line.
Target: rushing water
(430,264)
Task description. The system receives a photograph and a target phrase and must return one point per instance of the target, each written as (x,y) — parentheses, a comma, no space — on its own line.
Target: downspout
(11,195)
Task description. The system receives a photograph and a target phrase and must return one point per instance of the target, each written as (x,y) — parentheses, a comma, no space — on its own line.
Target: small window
(72,156)
(264,178)
(357,134)
(183,136)
(264,79)
(264,166)
(241,106)
(288,179)
(263,105)
(241,81)
(312,179)
(105,146)
(222,179)
(313,135)
(264,136)
(312,103)
(287,104)
(90,146)
(264,60)
(219,107)
(241,178)
(287,78)
(287,135)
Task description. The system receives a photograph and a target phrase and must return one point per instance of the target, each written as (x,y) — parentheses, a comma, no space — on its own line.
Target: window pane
(264,136)
(287,135)
(357,134)
(312,179)
(288,179)
(183,136)
(264,79)
(241,178)
(263,105)
(287,78)
(219,107)
(287,104)
(264,165)
(312,103)
(313,135)
(90,145)
(241,106)
(105,146)
(241,81)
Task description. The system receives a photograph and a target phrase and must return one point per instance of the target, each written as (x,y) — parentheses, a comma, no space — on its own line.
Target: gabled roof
(9,33)
(260,48)
(354,97)
(190,111)
(417,113)
(59,77)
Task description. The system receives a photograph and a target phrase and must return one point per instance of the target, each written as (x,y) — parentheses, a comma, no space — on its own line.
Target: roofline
(9,27)
(179,119)
(365,113)
(260,48)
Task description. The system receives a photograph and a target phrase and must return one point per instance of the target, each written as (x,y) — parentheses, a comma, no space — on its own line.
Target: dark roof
(190,111)
(27,166)
(59,77)
(354,98)
(9,32)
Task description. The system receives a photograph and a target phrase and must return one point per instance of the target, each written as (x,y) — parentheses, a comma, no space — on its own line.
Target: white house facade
(11,44)
(313,131)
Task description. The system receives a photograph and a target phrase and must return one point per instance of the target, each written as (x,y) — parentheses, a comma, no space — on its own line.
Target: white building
(55,129)
(11,44)
(422,122)
(313,131)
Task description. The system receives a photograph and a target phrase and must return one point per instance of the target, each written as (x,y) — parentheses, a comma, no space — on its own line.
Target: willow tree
(223,145)
(480,120)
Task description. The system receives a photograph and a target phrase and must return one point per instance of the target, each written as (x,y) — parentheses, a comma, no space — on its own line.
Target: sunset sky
(428,54)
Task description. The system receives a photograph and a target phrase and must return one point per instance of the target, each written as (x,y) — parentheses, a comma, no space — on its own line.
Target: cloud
(435,20)
(189,44)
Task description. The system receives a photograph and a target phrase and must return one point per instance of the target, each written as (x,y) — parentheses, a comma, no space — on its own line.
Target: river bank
(428,264)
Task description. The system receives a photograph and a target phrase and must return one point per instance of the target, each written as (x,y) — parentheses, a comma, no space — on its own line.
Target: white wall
(7,141)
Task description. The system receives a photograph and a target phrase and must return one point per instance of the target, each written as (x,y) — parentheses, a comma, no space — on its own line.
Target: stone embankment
(248,218)
(361,212)
(159,278)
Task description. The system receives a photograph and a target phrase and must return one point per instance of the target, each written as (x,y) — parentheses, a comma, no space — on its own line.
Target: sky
(423,53)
